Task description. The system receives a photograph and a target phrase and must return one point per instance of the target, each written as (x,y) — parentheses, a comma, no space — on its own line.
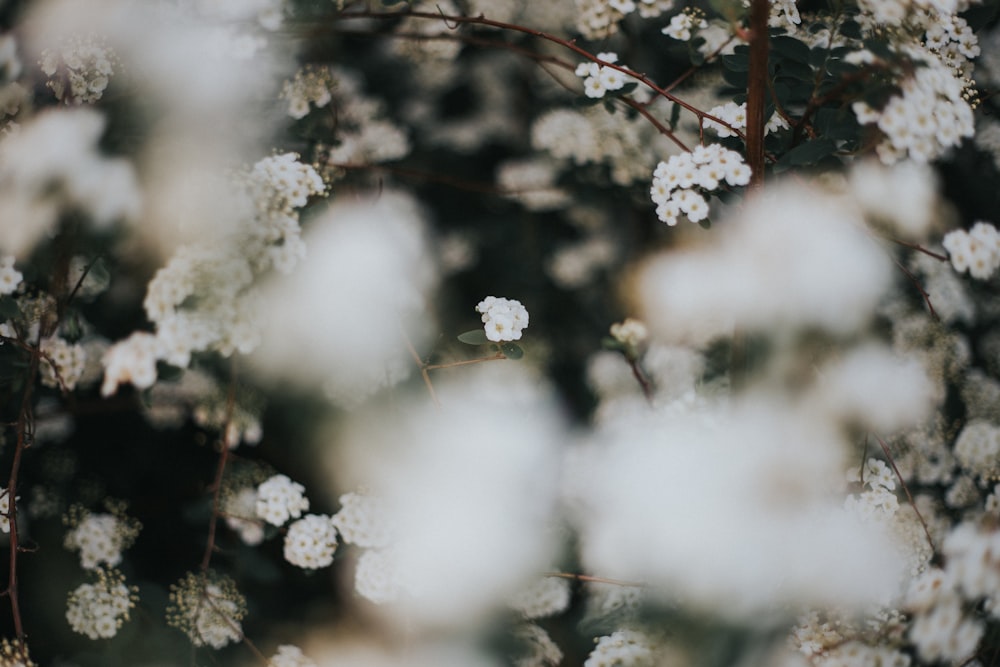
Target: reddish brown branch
(220,469)
(757,90)
(906,490)
(568,44)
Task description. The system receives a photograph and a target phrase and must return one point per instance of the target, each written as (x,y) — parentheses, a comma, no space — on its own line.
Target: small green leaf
(850,28)
(675,115)
(609,343)
(474,337)
(737,62)
(627,88)
(512,350)
(790,48)
(9,309)
(795,70)
(805,154)
(705,224)
(587,101)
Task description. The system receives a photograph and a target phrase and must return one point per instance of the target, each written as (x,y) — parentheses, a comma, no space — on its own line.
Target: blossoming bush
(269,390)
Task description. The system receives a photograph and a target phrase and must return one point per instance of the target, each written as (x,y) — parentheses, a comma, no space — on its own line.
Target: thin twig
(920,288)
(906,490)
(568,44)
(595,580)
(423,368)
(220,469)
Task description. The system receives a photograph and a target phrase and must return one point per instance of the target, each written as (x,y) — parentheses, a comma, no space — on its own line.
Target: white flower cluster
(623,647)
(629,146)
(939,600)
(599,79)
(280,184)
(62,364)
(53,164)
(240,510)
(707,168)
(931,115)
(976,250)
(598,19)
(279,499)
(208,609)
(503,319)
(4,511)
(310,87)
(877,502)
(363,521)
(364,135)
(682,24)
(377,577)
(132,360)
(540,650)
(632,334)
(546,596)
(736,117)
(86,64)
(10,278)
(290,656)
(533,183)
(310,542)
(978,448)
(201,300)
(100,538)
(98,610)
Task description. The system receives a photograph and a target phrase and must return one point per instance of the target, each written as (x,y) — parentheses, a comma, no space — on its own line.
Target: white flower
(279,499)
(310,542)
(503,319)
(98,610)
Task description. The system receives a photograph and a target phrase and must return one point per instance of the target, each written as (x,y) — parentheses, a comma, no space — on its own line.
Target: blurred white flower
(343,319)
(794,258)
(470,489)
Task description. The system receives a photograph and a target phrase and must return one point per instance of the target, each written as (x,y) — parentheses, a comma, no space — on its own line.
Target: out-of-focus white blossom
(353,302)
(770,272)
(471,522)
(53,165)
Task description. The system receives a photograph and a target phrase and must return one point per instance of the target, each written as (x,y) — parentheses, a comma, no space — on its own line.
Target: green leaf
(627,88)
(790,48)
(735,79)
(512,351)
(587,101)
(473,337)
(850,28)
(837,124)
(609,343)
(675,115)
(737,62)
(705,224)
(794,70)
(805,154)
(9,309)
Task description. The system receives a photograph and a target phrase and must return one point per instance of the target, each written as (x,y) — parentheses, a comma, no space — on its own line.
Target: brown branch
(25,425)
(568,44)
(906,490)
(757,90)
(466,362)
(423,368)
(920,288)
(220,469)
(596,580)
